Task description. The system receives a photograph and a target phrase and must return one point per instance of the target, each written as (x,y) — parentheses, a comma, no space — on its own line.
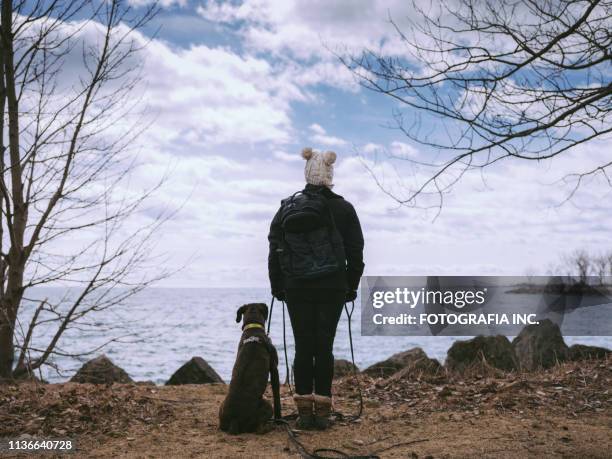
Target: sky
(237,89)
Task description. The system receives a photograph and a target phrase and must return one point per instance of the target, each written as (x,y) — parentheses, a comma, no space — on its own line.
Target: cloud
(162,3)
(403,150)
(497,222)
(307,35)
(199,96)
(214,96)
(371,147)
(319,136)
(303,28)
(283,156)
(499,226)
(228,121)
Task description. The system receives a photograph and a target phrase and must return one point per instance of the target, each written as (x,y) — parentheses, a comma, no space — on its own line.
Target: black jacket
(349,228)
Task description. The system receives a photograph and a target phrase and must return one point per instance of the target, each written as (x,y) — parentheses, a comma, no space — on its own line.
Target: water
(160,329)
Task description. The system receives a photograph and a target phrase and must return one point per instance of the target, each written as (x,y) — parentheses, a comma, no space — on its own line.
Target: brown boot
(304,405)
(323,409)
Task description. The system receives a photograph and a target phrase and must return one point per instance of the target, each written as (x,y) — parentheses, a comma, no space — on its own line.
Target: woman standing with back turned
(315,264)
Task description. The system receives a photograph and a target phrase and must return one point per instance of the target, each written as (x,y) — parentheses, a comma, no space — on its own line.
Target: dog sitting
(244,408)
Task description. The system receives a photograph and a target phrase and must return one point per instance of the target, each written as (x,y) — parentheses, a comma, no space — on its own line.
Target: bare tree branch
(496,80)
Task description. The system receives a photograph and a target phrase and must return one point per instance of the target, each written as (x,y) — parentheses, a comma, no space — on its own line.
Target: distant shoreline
(576,289)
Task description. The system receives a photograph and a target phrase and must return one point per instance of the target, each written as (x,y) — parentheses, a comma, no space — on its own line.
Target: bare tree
(579,264)
(483,81)
(600,267)
(68,70)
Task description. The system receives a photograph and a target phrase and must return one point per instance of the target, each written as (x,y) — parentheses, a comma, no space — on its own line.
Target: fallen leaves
(76,409)
(569,388)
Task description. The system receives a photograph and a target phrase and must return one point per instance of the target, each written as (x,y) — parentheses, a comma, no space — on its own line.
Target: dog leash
(318,453)
(274,379)
(285,350)
(349,315)
(270,315)
(356,380)
(302,450)
(284,340)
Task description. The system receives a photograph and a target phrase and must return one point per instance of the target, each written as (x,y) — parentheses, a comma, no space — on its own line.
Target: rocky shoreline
(536,347)
(534,396)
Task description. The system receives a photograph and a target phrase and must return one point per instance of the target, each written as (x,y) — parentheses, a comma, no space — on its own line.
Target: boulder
(582,352)
(195,371)
(101,370)
(413,360)
(25,372)
(540,346)
(495,351)
(344,368)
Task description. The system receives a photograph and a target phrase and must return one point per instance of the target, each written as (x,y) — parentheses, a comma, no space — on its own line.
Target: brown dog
(244,409)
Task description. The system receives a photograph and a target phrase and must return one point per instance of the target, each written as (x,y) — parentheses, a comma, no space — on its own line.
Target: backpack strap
(320,193)
(329,211)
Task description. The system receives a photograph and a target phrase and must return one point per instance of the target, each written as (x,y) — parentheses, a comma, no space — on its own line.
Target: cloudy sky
(239,88)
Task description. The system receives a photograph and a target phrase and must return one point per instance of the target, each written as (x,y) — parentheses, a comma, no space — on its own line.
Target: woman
(315,301)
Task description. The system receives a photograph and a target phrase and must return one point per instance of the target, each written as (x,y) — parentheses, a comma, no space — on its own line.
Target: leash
(319,453)
(356,381)
(285,350)
(284,340)
(274,379)
(270,315)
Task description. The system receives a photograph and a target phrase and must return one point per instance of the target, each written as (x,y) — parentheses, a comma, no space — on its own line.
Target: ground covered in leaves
(73,409)
(562,412)
(568,390)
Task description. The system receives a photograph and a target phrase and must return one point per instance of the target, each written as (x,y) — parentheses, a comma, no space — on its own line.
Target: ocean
(159,329)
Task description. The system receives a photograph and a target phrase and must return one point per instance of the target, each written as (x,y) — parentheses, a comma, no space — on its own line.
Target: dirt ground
(564,412)
(194,433)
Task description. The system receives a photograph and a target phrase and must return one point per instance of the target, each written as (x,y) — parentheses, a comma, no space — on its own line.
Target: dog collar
(253,325)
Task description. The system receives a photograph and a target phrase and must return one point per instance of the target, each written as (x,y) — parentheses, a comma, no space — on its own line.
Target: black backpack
(311,245)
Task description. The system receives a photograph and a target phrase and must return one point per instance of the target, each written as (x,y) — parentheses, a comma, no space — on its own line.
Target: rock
(195,371)
(25,372)
(540,346)
(583,352)
(413,361)
(495,351)
(101,370)
(343,367)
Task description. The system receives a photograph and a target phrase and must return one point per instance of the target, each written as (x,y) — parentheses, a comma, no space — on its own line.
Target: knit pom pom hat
(319,168)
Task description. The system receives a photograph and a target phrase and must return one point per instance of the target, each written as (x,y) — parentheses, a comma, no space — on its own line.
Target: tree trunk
(8,310)
(6,334)
(7,347)
(11,299)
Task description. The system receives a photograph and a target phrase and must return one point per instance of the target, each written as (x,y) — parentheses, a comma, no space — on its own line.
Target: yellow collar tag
(253,325)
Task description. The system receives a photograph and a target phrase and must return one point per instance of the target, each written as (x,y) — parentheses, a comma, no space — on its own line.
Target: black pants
(314,315)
